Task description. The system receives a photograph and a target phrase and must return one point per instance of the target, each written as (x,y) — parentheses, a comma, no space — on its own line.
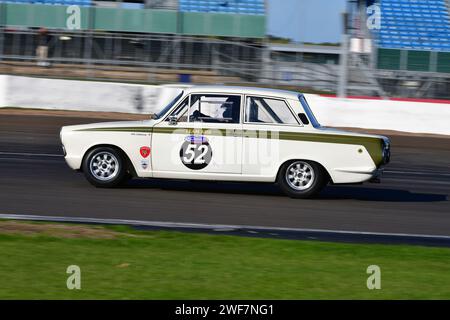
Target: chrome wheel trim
(300,175)
(104,166)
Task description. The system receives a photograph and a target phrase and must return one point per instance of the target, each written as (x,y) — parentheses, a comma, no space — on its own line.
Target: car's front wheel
(302,179)
(105,167)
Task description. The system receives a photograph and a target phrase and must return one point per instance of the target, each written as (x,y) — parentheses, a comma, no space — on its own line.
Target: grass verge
(121,263)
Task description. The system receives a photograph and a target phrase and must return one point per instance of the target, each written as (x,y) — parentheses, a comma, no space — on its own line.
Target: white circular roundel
(195,152)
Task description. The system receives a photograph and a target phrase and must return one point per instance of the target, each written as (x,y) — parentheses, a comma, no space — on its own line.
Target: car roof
(242,90)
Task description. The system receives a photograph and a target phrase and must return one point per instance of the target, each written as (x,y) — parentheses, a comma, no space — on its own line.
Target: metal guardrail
(210,59)
(97,49)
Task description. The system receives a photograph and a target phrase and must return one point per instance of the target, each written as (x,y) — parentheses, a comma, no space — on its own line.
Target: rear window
(267,110)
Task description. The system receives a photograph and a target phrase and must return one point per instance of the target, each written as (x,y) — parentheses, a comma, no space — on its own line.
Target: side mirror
(303,118)
(173,120)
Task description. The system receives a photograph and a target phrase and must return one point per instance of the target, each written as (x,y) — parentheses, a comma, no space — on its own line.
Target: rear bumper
(386,151)
(376,175)
(356,175)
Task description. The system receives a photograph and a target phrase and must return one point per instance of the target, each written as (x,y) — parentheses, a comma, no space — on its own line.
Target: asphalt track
(412,198)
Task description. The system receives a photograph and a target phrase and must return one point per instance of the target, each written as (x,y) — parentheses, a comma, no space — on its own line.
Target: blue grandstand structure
(249,7)
(414,25)
(254,7)
(53,2)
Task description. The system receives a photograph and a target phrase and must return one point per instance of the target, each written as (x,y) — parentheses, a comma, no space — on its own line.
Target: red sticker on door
(145,151)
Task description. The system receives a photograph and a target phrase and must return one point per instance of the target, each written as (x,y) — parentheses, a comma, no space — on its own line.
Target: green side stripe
(373,145)
(121,129)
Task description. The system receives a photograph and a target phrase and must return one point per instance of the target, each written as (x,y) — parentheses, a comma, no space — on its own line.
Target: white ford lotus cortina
(227,134)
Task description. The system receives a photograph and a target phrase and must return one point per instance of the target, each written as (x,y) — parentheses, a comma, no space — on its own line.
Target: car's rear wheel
(105,167)
(302,179)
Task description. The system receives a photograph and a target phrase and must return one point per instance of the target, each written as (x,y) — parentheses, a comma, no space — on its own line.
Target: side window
(266,110)
(215,108)
(181,111)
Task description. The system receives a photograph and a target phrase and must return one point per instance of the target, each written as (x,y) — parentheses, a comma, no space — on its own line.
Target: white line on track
(418,172)
(429,182)
(205,226)
(29,159)
(30,154)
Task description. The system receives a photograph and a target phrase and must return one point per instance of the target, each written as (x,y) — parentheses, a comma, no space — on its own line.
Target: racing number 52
(190,152)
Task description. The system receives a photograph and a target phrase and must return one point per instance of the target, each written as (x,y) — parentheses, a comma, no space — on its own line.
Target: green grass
(173,265)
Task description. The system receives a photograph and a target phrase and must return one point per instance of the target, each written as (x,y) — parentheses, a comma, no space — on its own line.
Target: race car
(225,133)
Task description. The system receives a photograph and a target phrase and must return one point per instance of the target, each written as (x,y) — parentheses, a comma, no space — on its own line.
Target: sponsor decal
(195,139)
(144,164)
(145,151)
(195,152)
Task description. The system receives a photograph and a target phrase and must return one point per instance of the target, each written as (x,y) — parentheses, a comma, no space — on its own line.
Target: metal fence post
(2,27)
(404,60)
(433,61)
(343,72)
(88,43)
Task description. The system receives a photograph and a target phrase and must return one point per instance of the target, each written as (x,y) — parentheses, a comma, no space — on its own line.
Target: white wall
(418,117)
(30,92)
(3,81)
(27,92)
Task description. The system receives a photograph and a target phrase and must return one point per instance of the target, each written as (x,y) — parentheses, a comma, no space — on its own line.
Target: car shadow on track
(378,194)
(263,189)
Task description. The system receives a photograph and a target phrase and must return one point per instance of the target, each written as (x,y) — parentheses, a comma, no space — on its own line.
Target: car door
(202,135)
(265,119)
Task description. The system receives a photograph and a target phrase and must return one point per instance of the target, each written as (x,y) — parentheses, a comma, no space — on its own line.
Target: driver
(231,114)
(197,115)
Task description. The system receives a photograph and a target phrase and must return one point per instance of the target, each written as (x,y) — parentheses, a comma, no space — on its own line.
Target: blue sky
(306,20)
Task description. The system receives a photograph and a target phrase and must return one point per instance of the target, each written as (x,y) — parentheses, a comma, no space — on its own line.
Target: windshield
(308,111)
(168,107)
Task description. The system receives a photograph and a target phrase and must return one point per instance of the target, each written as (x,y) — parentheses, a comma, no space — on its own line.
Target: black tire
(312,185)
(118,173)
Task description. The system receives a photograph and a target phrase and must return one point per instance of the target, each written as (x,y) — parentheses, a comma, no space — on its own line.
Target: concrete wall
(26,92)
(417,117)
(43,93)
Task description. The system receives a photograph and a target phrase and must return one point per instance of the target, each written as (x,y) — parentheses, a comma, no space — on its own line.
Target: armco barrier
(27,92)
